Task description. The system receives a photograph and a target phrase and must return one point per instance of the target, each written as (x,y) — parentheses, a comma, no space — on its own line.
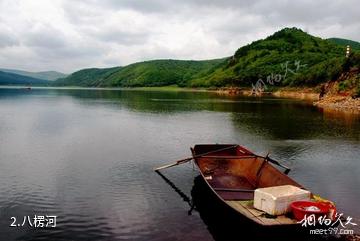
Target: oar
(287,169)
(267,158)
(182,161)
(174,164)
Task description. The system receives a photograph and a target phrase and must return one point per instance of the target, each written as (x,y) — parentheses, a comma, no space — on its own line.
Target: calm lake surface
(87,156)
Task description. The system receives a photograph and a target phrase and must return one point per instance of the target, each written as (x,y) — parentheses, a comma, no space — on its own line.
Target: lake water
(86,156)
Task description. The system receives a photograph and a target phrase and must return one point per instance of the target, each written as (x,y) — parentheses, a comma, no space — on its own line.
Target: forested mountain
(289,57)
(148,73)
(87,77)
(344,42)
(15,79)
(290,54)
(45,75)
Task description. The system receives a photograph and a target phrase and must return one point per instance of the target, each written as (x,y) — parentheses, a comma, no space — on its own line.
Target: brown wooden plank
(241,209)
(259,215)
(285,220)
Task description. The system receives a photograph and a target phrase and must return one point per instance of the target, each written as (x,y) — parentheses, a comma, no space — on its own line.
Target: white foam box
(276,200)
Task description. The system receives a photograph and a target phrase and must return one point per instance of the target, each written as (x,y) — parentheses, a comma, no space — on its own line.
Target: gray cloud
(7,40)
(68,35)
(44,36)
(120,36)
(7,36)
(156,6)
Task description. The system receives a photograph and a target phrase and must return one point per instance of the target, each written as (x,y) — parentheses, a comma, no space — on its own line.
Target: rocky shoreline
(336,102)
(339,103)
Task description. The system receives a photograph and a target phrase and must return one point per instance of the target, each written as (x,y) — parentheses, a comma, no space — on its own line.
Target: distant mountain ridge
(289,57)
(87,77)
(15,79)
(262,58)
(45,75)
(149,73)
(344,42)
(280,54)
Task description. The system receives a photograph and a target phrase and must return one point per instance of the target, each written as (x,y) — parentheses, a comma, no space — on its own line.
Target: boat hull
(233,172)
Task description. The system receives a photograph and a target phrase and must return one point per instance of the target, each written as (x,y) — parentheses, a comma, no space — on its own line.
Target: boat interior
(234,172)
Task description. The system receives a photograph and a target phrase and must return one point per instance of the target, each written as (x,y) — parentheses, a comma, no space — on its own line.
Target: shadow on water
(178,191)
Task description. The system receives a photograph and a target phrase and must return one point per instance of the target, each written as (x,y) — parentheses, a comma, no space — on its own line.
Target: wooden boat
(233,173)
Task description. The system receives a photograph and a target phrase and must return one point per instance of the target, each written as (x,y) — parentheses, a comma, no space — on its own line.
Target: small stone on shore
(343,103)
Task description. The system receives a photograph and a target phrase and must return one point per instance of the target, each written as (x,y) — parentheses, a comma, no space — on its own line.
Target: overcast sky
(67,35)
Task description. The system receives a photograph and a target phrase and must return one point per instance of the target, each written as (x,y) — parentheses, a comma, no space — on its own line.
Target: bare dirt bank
(303,94)
(336,102)
(341,103)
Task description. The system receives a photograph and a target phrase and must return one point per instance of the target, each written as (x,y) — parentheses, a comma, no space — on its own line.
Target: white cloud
(68,35)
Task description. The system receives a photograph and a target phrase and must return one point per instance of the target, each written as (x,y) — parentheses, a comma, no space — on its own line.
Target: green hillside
(45,75)
(344,42)
(15,79)
(93,77)
(289,57)
(161,73)
(149,73)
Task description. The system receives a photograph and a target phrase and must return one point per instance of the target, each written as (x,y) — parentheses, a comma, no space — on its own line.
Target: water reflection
(178,191)
(87,156)
(348,118)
